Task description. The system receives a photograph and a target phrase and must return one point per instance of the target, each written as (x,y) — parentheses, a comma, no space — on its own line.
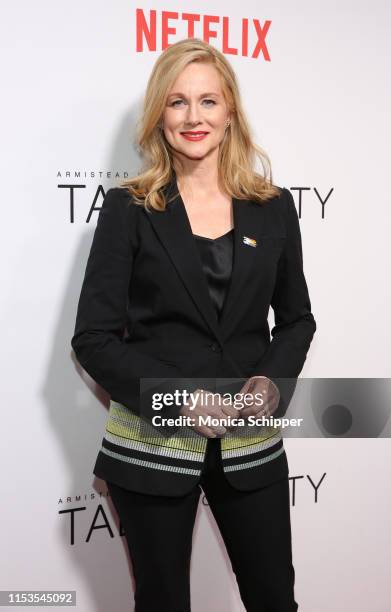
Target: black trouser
(255,527)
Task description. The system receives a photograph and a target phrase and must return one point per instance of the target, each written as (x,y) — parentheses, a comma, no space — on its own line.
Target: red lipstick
(194,136)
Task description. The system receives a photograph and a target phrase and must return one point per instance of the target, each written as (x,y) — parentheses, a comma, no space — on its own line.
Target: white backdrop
(73,81)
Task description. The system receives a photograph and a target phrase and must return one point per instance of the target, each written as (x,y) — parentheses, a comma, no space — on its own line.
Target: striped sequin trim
(251,448)
(157,449)
(128,426)
(150,464)
(250,464)
(248,436)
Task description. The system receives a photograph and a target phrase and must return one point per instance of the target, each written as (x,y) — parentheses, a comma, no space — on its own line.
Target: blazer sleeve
(295,325)
(98,339)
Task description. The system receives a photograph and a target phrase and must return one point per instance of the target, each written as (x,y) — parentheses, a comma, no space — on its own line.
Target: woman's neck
(198,184)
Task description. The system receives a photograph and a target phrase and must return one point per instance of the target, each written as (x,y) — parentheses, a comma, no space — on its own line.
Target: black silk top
(216,258)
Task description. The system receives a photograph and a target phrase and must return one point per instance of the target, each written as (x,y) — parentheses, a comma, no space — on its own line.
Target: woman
(186,259)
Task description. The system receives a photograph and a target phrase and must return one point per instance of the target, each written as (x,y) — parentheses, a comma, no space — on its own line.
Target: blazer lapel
(174,231)
(245,224)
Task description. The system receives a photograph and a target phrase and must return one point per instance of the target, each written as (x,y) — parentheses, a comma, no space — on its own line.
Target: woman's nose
(193,114)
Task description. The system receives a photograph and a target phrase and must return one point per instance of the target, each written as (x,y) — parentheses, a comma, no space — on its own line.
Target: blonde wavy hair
(237,151)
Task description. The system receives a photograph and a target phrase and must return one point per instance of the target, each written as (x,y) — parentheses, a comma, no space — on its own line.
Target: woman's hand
(208,404)
(269,401)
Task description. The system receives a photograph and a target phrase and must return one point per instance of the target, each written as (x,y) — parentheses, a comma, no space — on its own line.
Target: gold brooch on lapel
(250,241)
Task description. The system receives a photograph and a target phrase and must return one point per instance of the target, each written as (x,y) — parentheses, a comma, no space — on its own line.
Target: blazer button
(215,347)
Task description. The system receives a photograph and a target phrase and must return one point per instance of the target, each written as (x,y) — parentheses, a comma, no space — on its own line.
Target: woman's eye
(206,100)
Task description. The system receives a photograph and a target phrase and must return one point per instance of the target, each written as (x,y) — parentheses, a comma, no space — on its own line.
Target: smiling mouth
(194,135)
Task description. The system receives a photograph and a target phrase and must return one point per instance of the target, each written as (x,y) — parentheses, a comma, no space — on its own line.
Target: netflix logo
(248,38)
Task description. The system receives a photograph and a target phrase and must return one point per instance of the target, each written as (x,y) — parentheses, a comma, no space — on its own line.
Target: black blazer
(145,312)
